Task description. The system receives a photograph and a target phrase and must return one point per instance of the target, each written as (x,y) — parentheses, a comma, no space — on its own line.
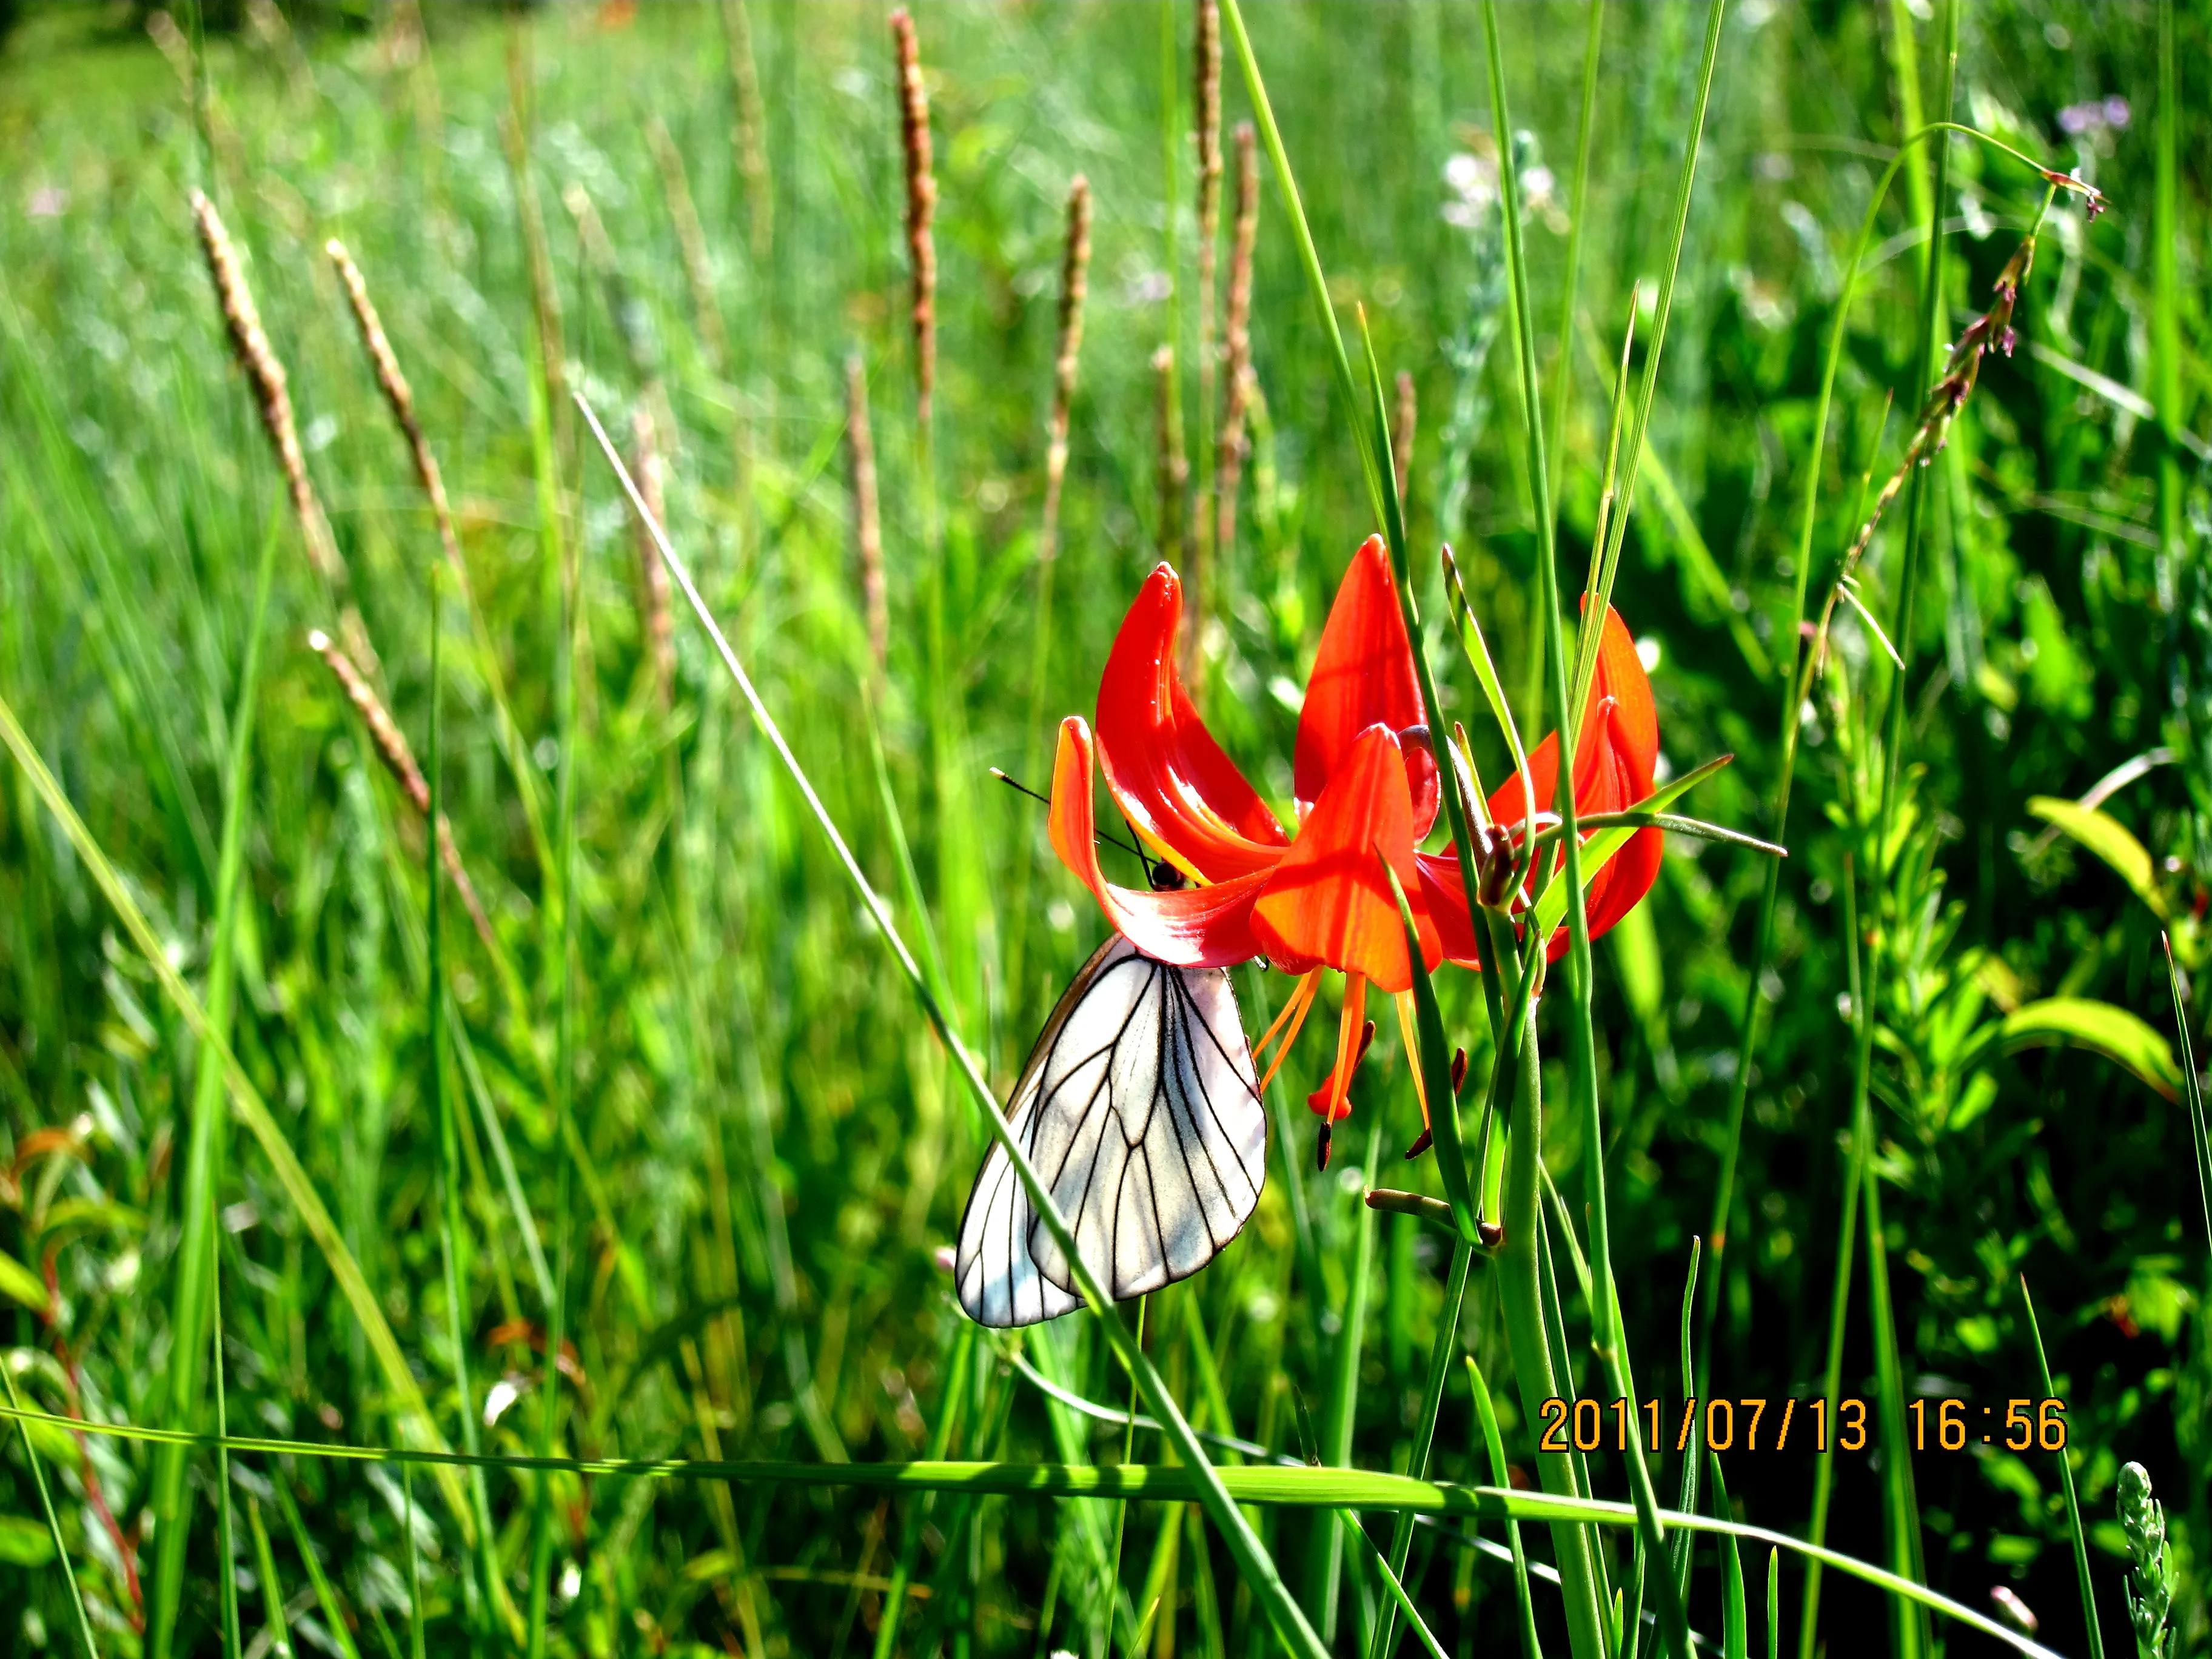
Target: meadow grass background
(768,1147)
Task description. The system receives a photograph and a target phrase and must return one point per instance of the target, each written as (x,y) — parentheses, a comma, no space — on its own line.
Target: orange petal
(1445,898)
(1167,774)
(1621,676)
(1190,928)
(1327,904)
(1363,676)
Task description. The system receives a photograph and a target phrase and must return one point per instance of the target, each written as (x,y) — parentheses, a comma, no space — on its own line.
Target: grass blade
(1288,1486)
(274,1627)
(2074,1528)
(326,1597)
(46,1508)
(195,1244)
(2200,1131)
(1494,1445)
(452,1235)
(246,1100)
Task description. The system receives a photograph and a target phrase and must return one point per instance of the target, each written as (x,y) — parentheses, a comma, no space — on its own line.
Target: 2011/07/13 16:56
(1583,1425)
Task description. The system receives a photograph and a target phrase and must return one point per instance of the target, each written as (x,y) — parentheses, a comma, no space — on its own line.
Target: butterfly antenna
(1106,836)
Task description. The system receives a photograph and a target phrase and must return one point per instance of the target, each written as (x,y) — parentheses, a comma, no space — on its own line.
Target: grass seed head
(271,392)
(1236,343)
(921,207)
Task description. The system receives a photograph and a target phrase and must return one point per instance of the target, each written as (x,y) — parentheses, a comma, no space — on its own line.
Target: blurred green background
(768,1151)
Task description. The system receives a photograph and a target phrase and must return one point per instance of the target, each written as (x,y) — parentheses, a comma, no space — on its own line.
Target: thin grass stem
(2077,1534)
(1244,1546)
(274,1625)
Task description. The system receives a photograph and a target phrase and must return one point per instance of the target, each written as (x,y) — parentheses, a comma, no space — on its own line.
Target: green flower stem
(1251,1558)
(1520,1290)
(1604,1323)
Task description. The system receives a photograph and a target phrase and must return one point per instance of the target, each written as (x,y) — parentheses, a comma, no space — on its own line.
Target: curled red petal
(1168,775)
(1445,898)
(1327,903)
(1363,676)
(1622,885)
(1190,928)
(1621,676)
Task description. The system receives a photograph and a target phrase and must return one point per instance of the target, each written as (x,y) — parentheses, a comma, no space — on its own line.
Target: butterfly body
(1140,1111)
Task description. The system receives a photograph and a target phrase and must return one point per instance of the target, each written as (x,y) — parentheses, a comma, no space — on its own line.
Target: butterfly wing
(1140,1112)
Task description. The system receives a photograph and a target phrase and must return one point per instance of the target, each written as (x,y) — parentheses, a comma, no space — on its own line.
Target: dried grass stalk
(655,601)
(272,397)
(1236,344)
(867,516)
(399,760)
(272,391)
(921,208)
(1074,285)
(401,399)
(1950,394)
(1401,439)
(748,124)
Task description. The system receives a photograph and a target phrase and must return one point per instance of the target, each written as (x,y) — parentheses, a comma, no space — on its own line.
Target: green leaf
(20,1282)
(1599,849)
(2111,841)
(2085,1023)
(24,1542)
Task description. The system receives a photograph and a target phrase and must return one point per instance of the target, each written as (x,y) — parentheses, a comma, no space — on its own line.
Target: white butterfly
(1140,1111)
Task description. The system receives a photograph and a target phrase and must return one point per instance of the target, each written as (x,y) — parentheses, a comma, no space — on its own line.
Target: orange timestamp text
(1760,1424)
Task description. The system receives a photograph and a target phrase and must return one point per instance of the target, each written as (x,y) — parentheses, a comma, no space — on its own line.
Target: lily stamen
(1294,1012)
(1354,1031)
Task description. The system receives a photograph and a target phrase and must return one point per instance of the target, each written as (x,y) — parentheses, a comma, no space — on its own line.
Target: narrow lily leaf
(2085,1023)
(1635,818)
(2111,841)
(1850,590)
(1599,849)
(1436,1072)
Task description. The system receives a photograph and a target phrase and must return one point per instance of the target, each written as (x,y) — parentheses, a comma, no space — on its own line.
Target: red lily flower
(1365,776)
(1613,761)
